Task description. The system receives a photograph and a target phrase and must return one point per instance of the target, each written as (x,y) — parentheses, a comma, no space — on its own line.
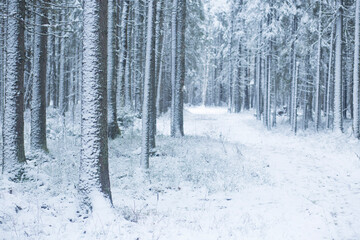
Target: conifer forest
(180,119)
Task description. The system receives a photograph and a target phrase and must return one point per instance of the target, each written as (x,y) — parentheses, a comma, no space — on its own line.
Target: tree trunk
(94,169)
(148,84)
(338,117)
(38,100)
(318,75)
(113,128)
(13,127)
(123,53)
(356,121)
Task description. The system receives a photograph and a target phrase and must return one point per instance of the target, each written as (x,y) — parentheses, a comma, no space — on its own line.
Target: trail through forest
(228,178)
(313,189)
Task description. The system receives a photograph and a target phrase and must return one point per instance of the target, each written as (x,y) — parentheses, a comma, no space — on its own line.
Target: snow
(229,178)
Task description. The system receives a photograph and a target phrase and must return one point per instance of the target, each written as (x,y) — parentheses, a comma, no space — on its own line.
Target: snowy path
(314,180)
(228,179)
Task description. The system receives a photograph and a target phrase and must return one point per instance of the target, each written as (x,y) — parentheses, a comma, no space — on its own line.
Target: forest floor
(229,178)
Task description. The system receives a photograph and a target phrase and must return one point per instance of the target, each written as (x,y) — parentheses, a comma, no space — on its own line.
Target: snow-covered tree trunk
(258,82)
(138,35)
(174,66)
(3,13)
(180,78)
(294,92)
(295,97)
(148,84)
(318,75)
(50,60)
(123,53)
(265,89)
(160,78)
(236,81)
(113,128)
(129,32)
(158,41)
(275,102)
(268,87)
(159,36)
(338,117)
(38,100)
(13,127)
(56,53)
(329,81)
(293,67)
(94,169)
(230,64)
(62,73)
(356,121)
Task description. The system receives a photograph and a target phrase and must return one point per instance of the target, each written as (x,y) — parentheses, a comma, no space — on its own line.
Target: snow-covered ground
(229,178)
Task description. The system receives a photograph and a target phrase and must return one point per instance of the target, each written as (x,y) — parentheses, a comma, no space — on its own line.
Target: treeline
(299,58)
(112,58)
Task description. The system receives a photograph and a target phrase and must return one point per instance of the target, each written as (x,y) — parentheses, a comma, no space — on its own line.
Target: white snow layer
(229,178)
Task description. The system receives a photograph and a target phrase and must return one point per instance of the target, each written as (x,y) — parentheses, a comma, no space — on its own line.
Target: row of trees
(294,57)
(112,57)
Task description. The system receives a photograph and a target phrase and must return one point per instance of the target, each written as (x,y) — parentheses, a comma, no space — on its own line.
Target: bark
(113,128)
(329,81)
(148,84)
(38,100)
(356,121)
(236,81)
(138,35)
(318,75)
(62,78)
(123,48)
(338,116)
(13,127)
(94,169)
(174,66)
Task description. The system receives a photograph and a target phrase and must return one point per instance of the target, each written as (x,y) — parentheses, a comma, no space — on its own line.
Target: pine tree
(356,121)
(113,128)
(13,127)
(94,168)
(149,83)
(38,100)
(338,116)
(123,48)
(178,67)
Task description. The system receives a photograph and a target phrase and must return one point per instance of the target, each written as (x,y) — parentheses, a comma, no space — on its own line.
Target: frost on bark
(329,81)
(50,61)
(123,48)
(356,121)
(230,56)
(94,169)
(113,128)
(295,97)
(182,70)
(138,40)
(158,41)
(62,79)
(173,64)
(338,117)
(128,72)
(258,78)
(13,127)
(236,82)
(149,82)
(160,79)
(3,10)
(38,100)
(292,66)
(178,68)
(318,76)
